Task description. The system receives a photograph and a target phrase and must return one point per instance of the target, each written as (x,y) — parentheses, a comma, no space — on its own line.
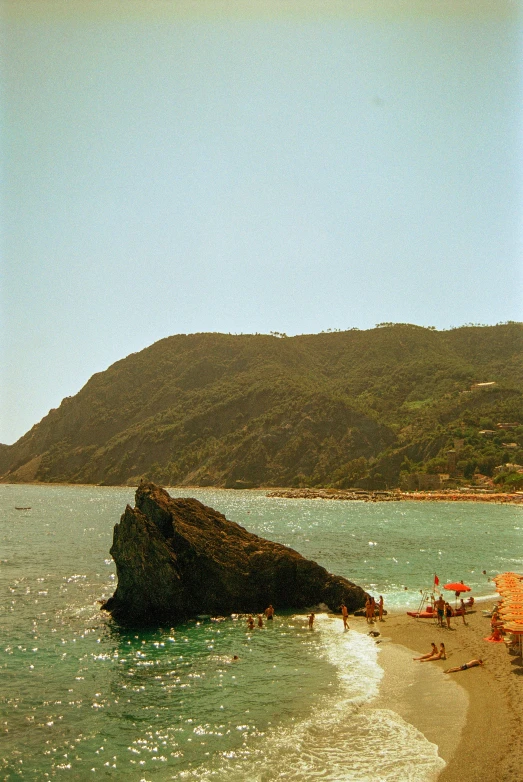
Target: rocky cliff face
(177,558)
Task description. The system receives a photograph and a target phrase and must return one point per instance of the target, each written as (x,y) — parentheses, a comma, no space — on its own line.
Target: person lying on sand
(432,652)
(465,667)
(441,655)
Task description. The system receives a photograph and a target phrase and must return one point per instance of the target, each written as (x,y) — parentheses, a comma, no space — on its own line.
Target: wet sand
(486,746)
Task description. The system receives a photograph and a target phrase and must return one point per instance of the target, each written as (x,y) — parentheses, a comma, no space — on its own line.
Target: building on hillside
(487,432)
(510,446)
(479,386)
(513,425)
(508,467)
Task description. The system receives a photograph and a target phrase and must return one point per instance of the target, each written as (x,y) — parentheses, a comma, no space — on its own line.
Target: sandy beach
(489,745)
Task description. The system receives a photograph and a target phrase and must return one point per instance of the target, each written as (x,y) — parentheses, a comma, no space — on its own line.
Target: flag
(436,580)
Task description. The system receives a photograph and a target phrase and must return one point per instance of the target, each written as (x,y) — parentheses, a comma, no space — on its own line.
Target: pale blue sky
(280,166)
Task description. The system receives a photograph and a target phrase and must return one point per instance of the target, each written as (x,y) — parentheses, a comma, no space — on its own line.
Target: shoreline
(396,495)
(341,495)
(490,746)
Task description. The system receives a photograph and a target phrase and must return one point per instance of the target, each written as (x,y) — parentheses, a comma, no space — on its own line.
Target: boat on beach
(431,613)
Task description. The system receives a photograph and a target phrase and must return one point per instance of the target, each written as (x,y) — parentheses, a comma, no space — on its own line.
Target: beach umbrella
(459,586)
(516,628)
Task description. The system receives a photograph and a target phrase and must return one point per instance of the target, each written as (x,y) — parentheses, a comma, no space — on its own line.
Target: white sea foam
(344,739)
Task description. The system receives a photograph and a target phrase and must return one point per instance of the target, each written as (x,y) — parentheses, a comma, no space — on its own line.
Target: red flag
(436,580)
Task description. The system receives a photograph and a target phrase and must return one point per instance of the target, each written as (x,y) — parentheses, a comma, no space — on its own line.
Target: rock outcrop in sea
(177,558)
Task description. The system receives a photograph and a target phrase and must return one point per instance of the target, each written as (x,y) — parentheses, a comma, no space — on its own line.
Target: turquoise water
(81,698)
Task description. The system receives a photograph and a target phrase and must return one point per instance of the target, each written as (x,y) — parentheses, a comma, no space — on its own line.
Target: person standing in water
(345,616)
(311,621)
(269,613)
(380,609)
(260,620)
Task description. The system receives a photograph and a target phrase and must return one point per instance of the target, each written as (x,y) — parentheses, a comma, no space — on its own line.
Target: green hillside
(332,409)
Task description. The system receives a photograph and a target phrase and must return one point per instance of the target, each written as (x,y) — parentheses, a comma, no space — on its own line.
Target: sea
(82,698)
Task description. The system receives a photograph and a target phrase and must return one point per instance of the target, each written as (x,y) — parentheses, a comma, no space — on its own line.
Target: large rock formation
(177,558)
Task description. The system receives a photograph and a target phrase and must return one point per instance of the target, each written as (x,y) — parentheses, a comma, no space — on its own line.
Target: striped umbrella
(516,628)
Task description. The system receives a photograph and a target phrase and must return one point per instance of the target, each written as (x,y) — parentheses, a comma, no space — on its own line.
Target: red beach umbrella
(457,587)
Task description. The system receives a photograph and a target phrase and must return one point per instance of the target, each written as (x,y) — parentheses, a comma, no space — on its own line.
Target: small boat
(17,507)
(432,614)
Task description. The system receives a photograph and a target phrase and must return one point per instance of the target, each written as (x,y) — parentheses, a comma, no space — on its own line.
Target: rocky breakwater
(177,558)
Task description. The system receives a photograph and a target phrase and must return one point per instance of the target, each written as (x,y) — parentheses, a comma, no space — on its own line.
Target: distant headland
(397,406)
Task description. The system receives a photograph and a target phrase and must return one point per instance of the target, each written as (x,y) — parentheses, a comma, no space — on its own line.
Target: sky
(178,167)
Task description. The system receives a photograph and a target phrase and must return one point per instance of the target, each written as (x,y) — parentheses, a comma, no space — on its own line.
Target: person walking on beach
(465,667)
(380,609)
(269,613)
(448,614)
(440,608)
(345,616)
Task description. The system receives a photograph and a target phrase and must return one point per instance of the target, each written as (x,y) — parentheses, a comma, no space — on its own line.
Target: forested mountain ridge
(331,409)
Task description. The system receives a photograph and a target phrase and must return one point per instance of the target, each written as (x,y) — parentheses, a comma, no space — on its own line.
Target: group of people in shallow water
(269,616)
(372,608)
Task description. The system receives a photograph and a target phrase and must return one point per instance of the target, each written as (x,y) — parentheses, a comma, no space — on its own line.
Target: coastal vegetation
(374,409)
